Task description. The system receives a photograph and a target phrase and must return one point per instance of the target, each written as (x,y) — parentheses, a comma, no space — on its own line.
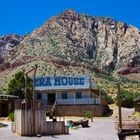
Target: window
(38,96)
(78,95)
(64,95)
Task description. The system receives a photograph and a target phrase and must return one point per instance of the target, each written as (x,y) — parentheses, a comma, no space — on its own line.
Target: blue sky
(23,16)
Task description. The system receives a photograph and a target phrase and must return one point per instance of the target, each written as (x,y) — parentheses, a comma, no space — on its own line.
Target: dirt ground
(100,129)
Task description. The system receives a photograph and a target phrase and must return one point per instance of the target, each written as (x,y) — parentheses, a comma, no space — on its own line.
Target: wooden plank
(31,118)
(24,123)
(42,120)
(29,123)
(38,121)
(35,119)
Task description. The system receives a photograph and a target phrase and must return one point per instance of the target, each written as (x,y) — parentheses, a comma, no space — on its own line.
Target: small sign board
(62,82)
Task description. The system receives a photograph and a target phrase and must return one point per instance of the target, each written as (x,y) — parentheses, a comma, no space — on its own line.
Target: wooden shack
(6,104)
(137,104)
(30,120)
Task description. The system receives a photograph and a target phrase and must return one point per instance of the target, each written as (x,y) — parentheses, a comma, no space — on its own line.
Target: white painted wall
(71,96)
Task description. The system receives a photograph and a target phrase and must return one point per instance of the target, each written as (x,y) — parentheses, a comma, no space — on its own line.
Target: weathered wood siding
(25,126)
(55,128)
(40,120)
(18,120)
(78,110)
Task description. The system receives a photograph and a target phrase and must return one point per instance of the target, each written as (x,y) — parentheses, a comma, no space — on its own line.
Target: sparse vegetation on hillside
(72,44)
(109,83)
(100,80)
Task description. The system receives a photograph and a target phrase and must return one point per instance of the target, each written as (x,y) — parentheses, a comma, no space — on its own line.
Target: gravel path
(126,112)
(100,129)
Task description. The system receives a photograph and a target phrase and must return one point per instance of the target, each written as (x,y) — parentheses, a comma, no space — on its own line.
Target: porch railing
(78,101)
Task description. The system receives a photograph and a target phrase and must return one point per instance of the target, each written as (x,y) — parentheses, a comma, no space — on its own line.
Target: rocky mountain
(73,43)
(7,43)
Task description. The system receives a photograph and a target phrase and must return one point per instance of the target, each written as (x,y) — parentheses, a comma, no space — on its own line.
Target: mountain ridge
(78,41)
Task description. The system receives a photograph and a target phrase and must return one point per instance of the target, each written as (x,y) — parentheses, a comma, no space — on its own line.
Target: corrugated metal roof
(8,96)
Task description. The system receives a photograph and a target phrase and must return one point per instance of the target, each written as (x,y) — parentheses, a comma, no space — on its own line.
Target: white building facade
(67,91)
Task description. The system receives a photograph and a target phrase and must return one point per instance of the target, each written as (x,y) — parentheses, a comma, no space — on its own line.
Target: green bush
(1,125)
(11,116)
(127,98)
(88,114)
(109,99)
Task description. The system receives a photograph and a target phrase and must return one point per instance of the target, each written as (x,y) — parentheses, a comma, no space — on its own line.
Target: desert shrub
(88,114)
(109,99)
(11,116)
(127,99)
(1,125)
(107,111)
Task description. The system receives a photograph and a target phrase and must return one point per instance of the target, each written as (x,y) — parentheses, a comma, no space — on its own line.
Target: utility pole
(33,96)
(119,105)
(90,102)
(25,77)
(35,69)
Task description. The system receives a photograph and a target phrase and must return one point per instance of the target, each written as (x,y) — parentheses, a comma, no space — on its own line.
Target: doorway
(51,98)
(4,109)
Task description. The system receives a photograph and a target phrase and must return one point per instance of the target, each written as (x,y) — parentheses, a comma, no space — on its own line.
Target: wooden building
(73,95)
(30,120)
(137,104)
(6,104)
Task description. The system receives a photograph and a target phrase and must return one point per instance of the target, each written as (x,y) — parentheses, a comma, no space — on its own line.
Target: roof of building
(6,97)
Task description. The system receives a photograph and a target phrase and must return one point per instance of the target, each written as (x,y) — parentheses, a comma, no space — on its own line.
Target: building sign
(62,82)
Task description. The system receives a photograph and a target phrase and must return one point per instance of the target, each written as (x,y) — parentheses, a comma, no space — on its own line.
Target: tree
(127,98)
(16,86)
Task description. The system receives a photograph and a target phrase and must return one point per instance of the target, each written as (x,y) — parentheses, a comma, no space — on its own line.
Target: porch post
(56,96)
(89,90)
(99,96)
(74,98)
(55,104)
(89,97)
